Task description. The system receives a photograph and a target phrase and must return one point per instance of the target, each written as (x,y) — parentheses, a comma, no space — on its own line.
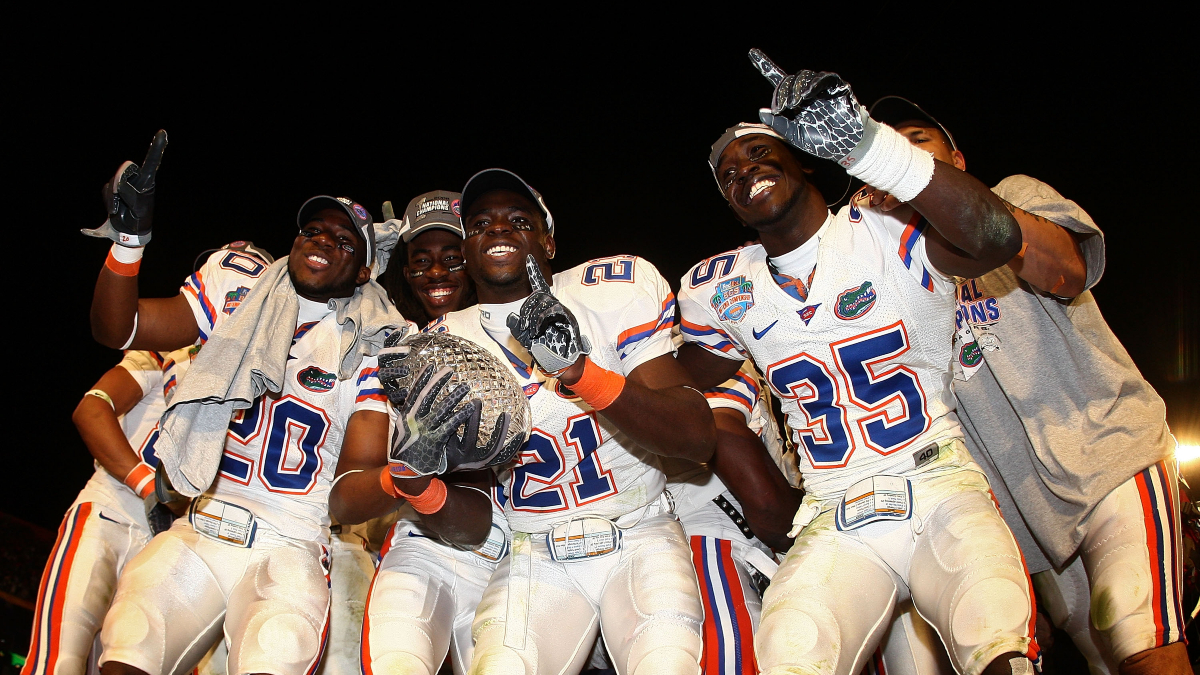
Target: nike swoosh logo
(759,334)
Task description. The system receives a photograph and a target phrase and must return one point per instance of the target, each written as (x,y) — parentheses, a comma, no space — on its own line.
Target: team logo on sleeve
(313,378)
(233,299)
(855,302)
(733,298)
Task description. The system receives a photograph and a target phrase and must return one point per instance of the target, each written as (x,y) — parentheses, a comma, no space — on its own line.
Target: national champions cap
(501,179)
(828,176)
(355,211)
(892,110)
(440,209)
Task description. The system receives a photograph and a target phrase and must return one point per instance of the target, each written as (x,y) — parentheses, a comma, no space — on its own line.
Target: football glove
(828,121)
(129,199)
(546,328)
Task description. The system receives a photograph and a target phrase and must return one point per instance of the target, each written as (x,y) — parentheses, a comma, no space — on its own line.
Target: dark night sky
(613,127)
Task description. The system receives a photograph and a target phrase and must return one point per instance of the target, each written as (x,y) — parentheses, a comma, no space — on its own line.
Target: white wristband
(127,254)
(132,334)
(889,162)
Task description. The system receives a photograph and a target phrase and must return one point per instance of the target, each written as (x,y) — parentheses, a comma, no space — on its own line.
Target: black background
(610,118)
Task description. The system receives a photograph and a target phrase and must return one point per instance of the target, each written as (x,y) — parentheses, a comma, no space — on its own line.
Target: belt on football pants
(227,523)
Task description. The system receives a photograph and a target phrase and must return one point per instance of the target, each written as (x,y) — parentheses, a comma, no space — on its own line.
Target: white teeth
(501,250)
(440,292)
(760,186)
(318,259)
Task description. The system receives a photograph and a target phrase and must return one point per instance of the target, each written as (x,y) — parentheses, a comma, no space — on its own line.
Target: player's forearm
(744,465)
(102,434)
(969,216)
(1051,258)
(114,304)
(465,518)
(359,497)
(674,422)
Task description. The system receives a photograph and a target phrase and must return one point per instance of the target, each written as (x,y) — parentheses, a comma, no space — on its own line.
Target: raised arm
(977,233)
(1050,258)
(96,418)
(119,318)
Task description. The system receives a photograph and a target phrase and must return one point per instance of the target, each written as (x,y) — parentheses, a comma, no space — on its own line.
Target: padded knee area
(499,660)
(401,663)
(665,659)
(1118,591)
(282,635)
(986,610)
(798,635)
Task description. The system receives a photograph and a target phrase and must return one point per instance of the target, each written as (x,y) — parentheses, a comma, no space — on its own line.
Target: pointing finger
(149,168)
(767,67)
(537,282)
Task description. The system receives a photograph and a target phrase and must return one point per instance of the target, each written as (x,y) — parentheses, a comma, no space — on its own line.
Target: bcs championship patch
(733,298)
(855,302)
(233,299)
(313,378)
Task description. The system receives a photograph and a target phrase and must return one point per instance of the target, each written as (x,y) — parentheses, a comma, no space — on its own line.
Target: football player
(1042,382)
(848,317)
(594,546)
(426,276)
(424,594)
(252,557)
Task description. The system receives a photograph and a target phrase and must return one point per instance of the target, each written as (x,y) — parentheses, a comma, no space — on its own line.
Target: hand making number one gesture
(546,328)
(129,198)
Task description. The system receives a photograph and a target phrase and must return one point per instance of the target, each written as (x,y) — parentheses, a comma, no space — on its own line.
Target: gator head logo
(313,378)
(733,298)
(855,302)
(970,355)
(233,299)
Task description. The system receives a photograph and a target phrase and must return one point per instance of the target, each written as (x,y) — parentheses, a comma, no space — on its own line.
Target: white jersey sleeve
(219,286)
(905,236)
(740,392)
(145,367)
(643,329)
(698,306)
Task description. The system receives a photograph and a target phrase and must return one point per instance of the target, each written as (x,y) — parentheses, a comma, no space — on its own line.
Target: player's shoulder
(605,283)
(235,263)
(715,268)
(457,322)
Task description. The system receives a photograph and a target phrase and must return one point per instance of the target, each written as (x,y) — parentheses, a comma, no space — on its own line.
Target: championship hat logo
(733,298)
(456,207)
(313,378)
(855,302)
(361,212)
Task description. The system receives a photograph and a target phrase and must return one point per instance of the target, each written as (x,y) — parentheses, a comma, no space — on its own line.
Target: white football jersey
(862,366)
(576,462)
(138,424)
(281,452)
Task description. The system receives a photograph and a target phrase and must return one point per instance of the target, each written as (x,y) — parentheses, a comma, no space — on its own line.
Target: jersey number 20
(290,457)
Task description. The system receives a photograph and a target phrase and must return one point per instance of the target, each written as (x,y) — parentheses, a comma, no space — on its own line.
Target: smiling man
(428,277)
(849,317)
(293,366)
(594,544)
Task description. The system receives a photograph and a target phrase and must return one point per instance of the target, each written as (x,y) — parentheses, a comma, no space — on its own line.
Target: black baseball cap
(501,179)
(439,209)
(892,110)
(355,211)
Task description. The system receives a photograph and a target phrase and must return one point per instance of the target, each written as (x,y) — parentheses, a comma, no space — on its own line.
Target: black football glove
(828,122)
(129,199)
(546,328)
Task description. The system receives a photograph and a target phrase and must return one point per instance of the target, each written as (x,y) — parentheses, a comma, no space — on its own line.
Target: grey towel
(247,357)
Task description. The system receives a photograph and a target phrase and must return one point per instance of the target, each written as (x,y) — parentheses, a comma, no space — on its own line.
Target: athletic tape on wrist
(385,481)
(140,479)
(887,161)
(598,387)
(132,333)
(102,395)
(124,260)
(430,501)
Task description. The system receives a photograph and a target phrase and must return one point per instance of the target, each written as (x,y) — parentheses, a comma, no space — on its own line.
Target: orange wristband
(123,269)
(598,387)
(140,479)
(431,500)
(385,481)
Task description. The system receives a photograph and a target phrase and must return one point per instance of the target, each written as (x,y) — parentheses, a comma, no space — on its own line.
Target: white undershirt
(800,261)
(494,319)
(311,311)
